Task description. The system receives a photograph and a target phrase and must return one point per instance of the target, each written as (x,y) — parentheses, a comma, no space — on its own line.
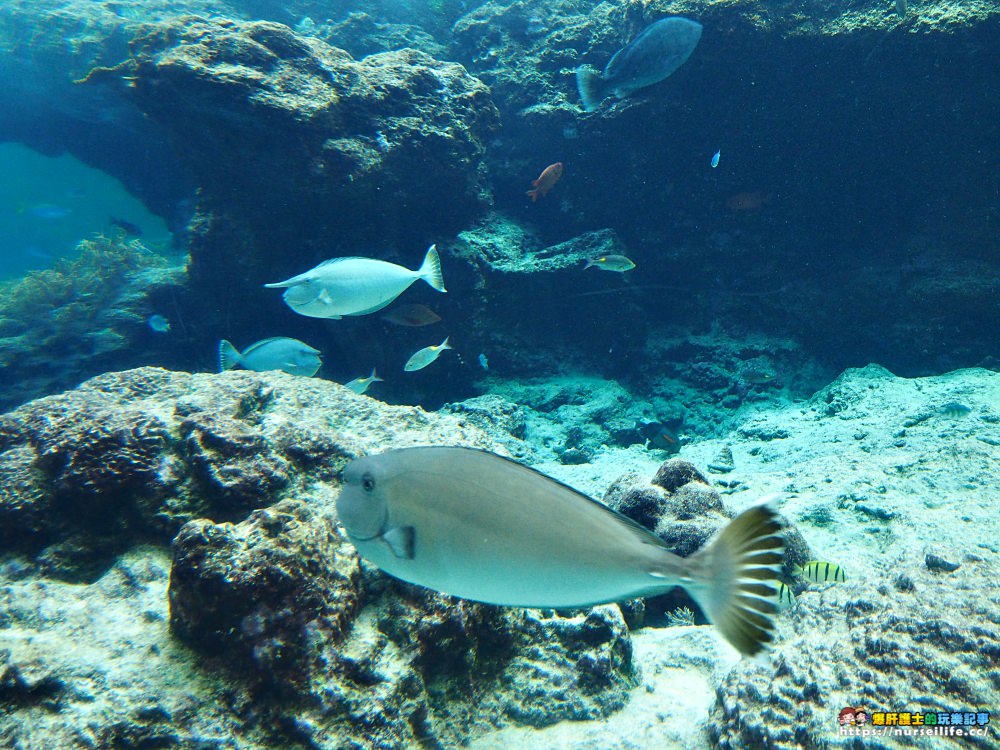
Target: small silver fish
(483,362)
(425,356)
(715,158)
(355,286)
(482,527)
(158,323)
(616,263)
(360,385)
(278,353)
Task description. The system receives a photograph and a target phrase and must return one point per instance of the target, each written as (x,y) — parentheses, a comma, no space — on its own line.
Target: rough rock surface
(928,646)
(284,131)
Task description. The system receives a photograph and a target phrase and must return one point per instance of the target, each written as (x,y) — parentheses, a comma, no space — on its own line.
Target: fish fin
(590,84)
(533,194)
(229,356)
(444,344)
(735,578)
(374,378)
(401,540)
(430,271)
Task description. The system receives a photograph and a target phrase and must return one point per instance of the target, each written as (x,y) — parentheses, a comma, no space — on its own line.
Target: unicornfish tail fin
(430,271)
(229,356)
(735,578)
(590,84)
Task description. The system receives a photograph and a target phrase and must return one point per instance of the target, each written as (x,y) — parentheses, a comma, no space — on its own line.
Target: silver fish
(279,353)
(355,286)
(659,50)
(425,356)
(360,385)
(475,525)
(616,263)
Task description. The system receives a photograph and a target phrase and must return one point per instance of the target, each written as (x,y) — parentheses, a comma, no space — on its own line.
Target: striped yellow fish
(822,572)
(786,599)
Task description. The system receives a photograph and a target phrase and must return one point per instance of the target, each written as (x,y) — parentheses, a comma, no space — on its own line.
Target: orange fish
(549,177)
(749,201)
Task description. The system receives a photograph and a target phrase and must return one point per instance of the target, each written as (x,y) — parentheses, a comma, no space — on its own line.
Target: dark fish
(661,435)
(475,525)
(659,50)
(412,315)
(132,230)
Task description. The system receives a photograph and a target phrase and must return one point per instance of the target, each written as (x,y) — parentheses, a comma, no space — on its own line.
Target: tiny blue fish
(715,158)
(158,323)
(483,362)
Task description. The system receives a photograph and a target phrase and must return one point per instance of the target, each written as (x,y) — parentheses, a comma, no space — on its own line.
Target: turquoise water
(48,204)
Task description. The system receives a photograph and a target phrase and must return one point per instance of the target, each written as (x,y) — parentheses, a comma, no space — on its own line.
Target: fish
(786,599)
(661,436)
(483,362)
(715,158)
(482,527)
(425,356)
(130,229)
(822,572)
(355,286)
(955,410)
(46,211)
(749,201)
(412,315)
(658,50)
(360,385)
(617,263)
(549,177)
(278,353)
(158,323)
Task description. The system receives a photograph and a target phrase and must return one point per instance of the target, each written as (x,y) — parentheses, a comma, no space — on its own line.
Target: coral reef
(84,316)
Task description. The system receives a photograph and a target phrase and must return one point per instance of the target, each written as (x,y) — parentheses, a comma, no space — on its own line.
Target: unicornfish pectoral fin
(401,541)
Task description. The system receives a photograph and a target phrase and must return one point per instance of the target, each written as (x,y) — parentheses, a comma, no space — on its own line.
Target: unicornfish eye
(368,483)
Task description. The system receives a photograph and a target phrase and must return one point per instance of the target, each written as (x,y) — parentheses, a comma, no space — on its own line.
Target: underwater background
(765,262)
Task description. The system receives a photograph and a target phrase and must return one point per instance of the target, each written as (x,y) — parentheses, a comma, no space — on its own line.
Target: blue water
(48,204)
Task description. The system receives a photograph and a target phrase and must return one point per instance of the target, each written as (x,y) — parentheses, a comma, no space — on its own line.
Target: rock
(675,473)
(723,462)
(864,643)
(633,498)
(265,590)
(938,564)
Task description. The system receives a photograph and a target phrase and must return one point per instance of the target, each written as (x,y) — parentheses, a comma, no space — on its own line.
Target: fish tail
(735,579)
(445,344)
(430,270)
(590,84)
(375,378)
(229,356)
(533,194)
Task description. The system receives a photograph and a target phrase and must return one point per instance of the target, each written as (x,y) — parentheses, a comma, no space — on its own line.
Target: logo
(857,721)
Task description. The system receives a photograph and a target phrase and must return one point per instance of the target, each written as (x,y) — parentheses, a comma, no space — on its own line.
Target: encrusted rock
(866,644)
(677,472)
(723,463)
(265,588)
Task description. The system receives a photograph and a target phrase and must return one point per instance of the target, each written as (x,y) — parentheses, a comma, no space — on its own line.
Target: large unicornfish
(475,525)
